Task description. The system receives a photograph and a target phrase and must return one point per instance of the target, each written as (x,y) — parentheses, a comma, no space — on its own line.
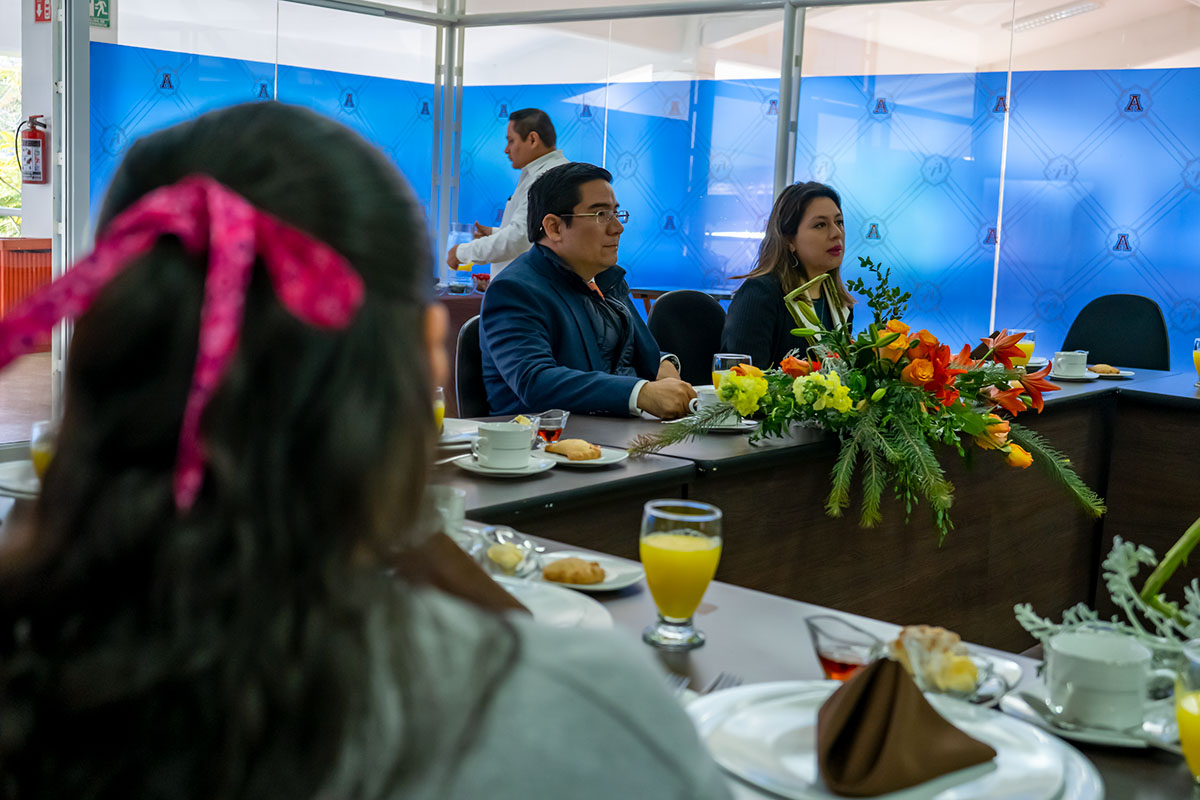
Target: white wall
(37,78)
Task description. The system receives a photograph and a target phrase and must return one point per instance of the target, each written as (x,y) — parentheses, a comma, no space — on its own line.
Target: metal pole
(381,10)
(647,10)
(783,119)
(71,163)
(794,110)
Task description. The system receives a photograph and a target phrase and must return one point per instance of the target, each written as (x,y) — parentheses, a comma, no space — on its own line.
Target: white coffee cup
(1098,678)
(1071,364)
(503,445)
(706,397)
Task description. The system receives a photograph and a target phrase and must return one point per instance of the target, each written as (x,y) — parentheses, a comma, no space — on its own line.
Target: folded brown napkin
(877,733)
(440,562)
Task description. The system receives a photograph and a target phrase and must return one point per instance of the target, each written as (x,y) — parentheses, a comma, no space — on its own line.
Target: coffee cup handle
(475,446)
(694,404)
(1158,677)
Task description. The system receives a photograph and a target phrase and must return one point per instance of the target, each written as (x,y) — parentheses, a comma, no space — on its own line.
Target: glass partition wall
(1009,159)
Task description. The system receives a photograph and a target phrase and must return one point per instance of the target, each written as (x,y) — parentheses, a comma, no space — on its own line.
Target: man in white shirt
(531,149)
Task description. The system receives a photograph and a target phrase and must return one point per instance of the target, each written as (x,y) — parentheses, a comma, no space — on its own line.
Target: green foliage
(885,301)
(1058,466)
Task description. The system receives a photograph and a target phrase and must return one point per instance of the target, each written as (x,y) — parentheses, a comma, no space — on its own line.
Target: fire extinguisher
(32,150)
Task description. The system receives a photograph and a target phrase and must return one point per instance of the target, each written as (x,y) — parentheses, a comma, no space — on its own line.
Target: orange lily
(963,360)
(795,367)
(746,369)
(1009,399)
(1018,456)
(1035,383)
(1004,347)
(996,436)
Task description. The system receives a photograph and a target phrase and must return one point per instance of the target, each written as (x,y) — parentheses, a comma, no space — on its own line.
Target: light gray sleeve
(586,715)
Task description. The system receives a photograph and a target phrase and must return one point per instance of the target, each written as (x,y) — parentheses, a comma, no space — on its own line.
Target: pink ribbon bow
(314,283)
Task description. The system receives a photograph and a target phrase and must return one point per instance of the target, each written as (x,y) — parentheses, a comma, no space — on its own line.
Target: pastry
(574,449)
(506,556)
(573,570)
(936,657)
(1103,369)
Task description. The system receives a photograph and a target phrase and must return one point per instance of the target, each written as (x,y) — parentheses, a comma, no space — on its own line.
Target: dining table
(1017,536)
(761,637)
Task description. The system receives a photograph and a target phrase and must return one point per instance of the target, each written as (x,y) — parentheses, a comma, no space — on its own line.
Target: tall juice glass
(42,441)
(680,547)
(1187,706)
(1025,346)
(723,362)
(439,408)
(1196,359)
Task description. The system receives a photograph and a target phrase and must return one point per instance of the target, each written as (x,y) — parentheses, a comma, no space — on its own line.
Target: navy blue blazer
(540,348)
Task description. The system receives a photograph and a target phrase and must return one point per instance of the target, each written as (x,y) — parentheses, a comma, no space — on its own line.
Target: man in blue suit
(557,328)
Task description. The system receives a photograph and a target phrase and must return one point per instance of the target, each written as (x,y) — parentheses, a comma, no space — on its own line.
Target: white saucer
(1114,376)
(608,457)
(1159,717)
(741,426)
(551,604)
(1036,363)
(1091,376)
(18,480)
(618,573)
(536,464)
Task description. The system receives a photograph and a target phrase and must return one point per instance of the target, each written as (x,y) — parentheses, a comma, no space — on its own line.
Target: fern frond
(843,473)
(874,481)
(679,431)
(919,463)
(1058,466)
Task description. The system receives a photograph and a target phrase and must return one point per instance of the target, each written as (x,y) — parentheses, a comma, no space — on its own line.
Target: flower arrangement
(894,398)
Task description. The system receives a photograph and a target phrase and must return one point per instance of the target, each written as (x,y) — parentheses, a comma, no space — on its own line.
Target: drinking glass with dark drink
(551,425)
(841,648)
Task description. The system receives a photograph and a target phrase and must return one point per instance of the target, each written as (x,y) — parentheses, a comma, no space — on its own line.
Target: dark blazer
(540,347)
(758,323)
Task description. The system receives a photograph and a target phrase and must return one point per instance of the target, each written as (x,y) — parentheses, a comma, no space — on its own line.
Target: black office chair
(688,324)
(469,390)
(1124,330)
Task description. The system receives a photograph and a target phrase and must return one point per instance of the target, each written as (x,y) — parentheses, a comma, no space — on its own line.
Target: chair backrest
(1124,330)
(688,323)
(469,391)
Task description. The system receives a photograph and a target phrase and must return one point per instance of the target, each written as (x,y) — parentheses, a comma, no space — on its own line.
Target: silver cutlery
(677,684)
(724,680)
(441,461)
(1039,706)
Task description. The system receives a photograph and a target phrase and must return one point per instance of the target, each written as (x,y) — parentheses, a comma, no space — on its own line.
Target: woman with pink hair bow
(200,609)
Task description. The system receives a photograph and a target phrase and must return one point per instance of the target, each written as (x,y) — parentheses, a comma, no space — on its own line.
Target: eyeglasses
(603,217)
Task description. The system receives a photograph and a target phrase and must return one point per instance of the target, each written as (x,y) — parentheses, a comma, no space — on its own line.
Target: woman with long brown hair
(805,237)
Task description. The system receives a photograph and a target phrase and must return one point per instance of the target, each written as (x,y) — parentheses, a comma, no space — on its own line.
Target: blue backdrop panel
(916,159)
(136,91)
(394,115)
(1102,197)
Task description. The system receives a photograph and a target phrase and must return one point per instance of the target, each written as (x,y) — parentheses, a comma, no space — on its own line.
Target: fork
(677,684)
(724,680)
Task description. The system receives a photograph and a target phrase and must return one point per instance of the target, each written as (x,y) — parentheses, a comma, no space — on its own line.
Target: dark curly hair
(232,652)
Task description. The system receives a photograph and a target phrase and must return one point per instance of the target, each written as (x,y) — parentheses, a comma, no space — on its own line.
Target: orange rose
(1018,456)
(795,367)
(996,435)
(894,349)
(927,344)
(918,372)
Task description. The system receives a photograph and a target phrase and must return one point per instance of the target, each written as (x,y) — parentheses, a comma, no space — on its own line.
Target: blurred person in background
(530,147)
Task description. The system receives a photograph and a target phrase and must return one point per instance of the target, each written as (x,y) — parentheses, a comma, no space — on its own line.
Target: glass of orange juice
(1187,706)
(1196,359)
(43,436)
(723,362)
(439,408)
(680,547)
(1025,346)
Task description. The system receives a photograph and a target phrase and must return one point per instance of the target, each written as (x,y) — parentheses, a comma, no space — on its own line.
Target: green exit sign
(101,13)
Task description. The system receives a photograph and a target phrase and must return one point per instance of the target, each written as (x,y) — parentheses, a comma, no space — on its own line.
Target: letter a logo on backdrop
(348,101)
(263,92)
(880,106)
(502,112)
(873,231)
(991,236)
(166,82)
(1001,104)
(1135,103)
(1122,243)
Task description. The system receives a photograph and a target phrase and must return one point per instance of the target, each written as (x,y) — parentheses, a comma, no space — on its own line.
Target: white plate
(618,573)
(1159,717)
(766,735)
(1036,363)
(555,606)
(1112,376)
(1091,376)
(1006,674)
(741,426)
(17,479)
(608,457)
(536,464)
